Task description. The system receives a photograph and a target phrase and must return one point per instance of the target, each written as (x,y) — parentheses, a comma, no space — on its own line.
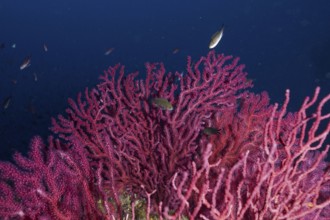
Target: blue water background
(284,44)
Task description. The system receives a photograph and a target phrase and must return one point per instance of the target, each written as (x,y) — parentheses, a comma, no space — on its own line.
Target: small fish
(101,206)
(216,37)
(26,63)
(6,102)
(45,48)
(175,51)
(35,77)
(2,46)
(13,46)
(310,205)
(162,103)
(210,131)
(109,51)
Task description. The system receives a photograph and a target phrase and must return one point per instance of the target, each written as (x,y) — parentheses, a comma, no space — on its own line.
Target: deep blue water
(284,44)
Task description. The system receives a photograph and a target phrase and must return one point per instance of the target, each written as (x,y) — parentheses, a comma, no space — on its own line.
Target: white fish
(45,48)
(35,77)
(216,37)
(109,51)
(6,102)
(26,63)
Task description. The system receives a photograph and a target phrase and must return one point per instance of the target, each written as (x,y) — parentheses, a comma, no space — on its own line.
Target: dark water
(284,44)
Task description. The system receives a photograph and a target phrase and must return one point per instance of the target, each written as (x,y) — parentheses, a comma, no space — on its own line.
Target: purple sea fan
(285,178)
(117,154)
(48,184)
(139,146)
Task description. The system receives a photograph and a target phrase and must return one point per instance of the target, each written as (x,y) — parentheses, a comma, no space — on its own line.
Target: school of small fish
(159,102)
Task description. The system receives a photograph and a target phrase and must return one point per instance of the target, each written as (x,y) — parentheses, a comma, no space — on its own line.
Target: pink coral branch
(281,187)
(258,162)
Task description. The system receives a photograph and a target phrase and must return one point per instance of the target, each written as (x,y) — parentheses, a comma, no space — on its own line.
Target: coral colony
(221,152)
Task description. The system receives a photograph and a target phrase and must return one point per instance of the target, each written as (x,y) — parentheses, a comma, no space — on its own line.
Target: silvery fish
(45,47)
(6,102)
(109,51)
(26,63)
(216,37)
